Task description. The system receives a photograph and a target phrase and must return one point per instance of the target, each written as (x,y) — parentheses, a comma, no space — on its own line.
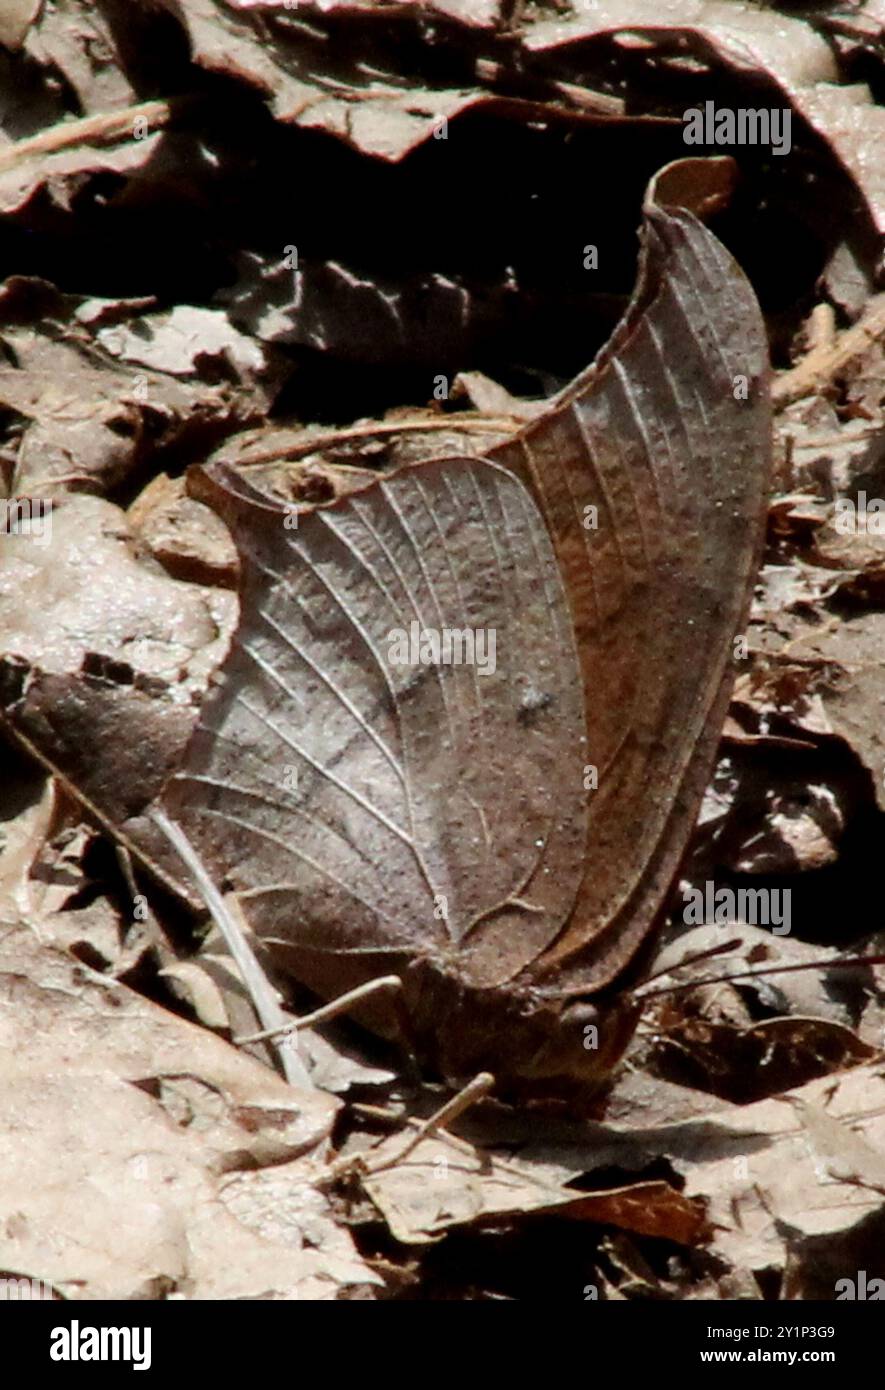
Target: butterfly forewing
(650,475)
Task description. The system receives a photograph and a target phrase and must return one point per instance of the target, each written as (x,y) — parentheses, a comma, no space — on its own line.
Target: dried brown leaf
(438,1188)
(136,1116)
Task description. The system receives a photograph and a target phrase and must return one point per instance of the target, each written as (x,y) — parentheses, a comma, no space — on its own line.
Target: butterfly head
(583,1041)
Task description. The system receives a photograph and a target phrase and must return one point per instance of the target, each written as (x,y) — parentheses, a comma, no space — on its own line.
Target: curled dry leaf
(766,43)
(836,995)
(366,102)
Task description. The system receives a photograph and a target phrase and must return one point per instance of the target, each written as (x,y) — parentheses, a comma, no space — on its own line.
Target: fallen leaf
(108,691)
(138,1116)
(438,1188)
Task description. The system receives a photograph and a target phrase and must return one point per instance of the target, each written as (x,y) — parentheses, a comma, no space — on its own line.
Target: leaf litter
(106,393)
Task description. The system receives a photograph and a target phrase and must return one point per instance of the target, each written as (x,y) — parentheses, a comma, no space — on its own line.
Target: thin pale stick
(469,1095)
(102,128)
(256,982)
(377,1112)
(454,424)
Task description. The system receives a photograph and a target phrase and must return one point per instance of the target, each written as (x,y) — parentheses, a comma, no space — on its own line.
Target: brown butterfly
(471,708)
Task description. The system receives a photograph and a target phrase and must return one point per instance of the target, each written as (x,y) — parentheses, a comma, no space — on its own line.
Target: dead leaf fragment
(438,1188)
(137,1116)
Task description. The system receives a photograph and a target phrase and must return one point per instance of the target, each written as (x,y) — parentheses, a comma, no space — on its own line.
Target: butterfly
(471,707)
